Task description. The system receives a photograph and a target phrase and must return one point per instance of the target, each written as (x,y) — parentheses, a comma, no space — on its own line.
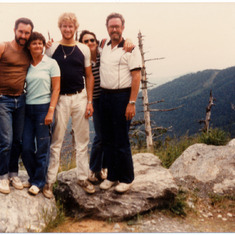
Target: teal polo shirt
(38,81)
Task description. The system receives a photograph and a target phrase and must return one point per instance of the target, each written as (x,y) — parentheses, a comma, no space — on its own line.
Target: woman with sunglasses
(98,165)
(98,160)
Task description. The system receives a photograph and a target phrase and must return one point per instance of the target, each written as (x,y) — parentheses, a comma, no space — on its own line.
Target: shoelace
(16,179)
(5,183)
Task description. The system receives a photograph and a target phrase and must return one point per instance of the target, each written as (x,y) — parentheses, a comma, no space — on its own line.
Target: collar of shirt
(45,58)
(121,44)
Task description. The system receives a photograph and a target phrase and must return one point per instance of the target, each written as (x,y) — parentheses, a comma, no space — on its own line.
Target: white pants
(74,106)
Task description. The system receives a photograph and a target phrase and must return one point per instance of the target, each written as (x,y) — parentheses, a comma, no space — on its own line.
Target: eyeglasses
(91,40)
(112,27)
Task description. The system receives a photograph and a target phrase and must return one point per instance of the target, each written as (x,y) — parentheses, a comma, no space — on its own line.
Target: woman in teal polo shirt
(42,92)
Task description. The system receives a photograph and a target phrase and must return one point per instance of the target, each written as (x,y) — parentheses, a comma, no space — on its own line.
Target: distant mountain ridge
(192,91)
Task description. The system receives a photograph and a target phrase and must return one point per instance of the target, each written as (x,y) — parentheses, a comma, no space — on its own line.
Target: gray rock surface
(231,143)
(21,212)
(207,169)
(153,187)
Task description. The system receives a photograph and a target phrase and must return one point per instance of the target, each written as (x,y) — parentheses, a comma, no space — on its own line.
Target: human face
(115,29)
(67,30)
(22,33)
(36,47)
(90,41)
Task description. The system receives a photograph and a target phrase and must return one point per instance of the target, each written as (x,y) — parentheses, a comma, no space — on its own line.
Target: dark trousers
(36,144)
(115,136)
(12,110)
(97,158)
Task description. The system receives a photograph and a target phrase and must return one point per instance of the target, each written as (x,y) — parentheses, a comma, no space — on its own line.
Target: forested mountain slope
(192,91)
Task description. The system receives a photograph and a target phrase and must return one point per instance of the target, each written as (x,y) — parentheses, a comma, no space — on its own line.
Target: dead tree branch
(208,113)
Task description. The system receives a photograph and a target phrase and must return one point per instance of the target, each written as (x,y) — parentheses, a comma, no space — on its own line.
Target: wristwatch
(131,102)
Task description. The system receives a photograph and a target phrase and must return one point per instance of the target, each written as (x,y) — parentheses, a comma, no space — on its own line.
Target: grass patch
(53,223)
(216,199)
(173,148)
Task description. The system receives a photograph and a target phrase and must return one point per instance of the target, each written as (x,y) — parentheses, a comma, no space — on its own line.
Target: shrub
(214,137)
(179,205)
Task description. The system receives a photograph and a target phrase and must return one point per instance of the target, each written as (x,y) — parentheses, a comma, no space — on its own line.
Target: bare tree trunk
(148,130)
(208,112)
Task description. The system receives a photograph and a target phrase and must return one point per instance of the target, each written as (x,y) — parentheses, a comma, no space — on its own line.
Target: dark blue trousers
(36,144)
(115,136)
(97,157)
(12,109)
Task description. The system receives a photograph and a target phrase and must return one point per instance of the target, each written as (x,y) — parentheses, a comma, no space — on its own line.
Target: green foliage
(173,148)
(222,201)
(134,220)
(169,149)
(53,223)
(179,205)
(214,137)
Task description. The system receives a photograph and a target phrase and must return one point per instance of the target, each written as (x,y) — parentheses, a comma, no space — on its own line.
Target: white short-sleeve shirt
(116,66)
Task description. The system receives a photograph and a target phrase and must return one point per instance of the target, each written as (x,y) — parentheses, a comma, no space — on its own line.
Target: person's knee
(6,143)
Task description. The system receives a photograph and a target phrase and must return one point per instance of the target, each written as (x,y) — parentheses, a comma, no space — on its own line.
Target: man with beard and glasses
(75,100)
(14,63)
(120,74)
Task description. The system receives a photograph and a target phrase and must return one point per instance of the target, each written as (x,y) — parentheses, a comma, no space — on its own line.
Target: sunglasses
(91,40)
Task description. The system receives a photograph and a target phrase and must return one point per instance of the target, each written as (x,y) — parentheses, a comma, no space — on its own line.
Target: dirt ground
(201,217)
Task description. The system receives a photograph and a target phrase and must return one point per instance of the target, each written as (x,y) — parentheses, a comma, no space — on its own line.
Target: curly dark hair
(36,36)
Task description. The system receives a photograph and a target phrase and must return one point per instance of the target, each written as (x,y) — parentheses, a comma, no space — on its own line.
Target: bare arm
(135,85)
(2,48)
(89,88)
(54,98)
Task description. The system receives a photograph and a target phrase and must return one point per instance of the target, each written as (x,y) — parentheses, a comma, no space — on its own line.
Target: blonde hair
(68,17)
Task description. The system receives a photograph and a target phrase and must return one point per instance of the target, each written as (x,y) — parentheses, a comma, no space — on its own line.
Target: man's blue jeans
(115,136)
(12,110)
(36,143)
(97,157)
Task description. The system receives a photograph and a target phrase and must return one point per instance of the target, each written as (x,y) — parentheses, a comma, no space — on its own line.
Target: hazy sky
(191,36)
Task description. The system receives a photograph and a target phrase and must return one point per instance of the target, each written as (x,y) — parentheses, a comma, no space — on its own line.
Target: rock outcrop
(153,187)
(21,212)
(207,169)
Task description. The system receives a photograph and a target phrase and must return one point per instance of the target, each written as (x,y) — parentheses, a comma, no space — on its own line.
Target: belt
(128,89)
(73,93)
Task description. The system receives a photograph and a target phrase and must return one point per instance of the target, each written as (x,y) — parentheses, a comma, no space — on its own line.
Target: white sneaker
(34,190)
(122,187)
(16,182)
(4,186)
(104,173)
(106,184)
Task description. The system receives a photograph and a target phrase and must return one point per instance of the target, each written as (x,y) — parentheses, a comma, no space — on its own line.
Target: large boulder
(153,187)
(21,212)
(207,169)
